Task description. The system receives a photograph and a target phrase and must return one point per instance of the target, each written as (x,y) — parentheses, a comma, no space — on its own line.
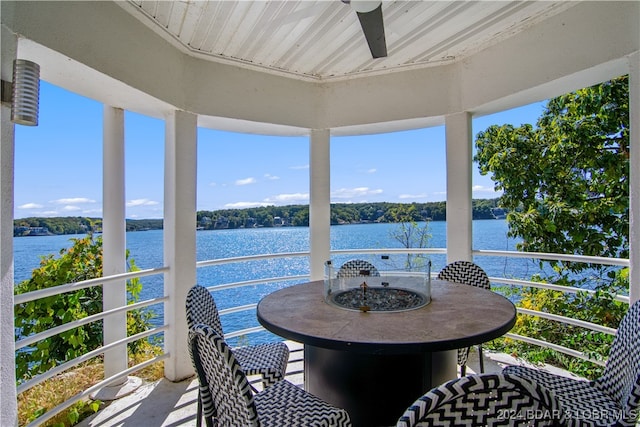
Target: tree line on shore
(263,216)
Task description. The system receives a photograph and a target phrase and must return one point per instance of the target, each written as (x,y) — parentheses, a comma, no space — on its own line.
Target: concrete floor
(167,404)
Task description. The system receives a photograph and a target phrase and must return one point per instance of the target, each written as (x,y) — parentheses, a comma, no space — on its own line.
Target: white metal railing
(71,287)
(27,341)
(555,257)
(515,282)
(568,289)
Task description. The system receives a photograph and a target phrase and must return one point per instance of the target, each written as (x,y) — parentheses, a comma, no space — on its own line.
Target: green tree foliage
(82,261)
(293,215)
(565,183)
(76,225)
(341,213)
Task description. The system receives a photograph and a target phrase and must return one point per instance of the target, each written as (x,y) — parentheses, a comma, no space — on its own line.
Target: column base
(116,391)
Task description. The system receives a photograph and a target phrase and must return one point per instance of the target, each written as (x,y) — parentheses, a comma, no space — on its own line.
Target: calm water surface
(146,249)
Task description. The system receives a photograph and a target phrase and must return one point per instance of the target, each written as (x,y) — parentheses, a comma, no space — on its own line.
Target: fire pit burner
(379,299)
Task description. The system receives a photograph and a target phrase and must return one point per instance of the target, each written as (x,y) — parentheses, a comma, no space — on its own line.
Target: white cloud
(246,181)
(412,196)
(243,205)
(71,208)
(299,167)
(288,198)
(271,177)
(72,200)
(483,189)
(141,202)
(30,206)
(368,171)
(349,193)
(212,184)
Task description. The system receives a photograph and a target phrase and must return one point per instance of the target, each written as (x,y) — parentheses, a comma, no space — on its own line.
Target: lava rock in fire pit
(379,299)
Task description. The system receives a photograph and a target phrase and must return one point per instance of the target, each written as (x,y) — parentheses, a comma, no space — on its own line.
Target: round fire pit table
(375,364)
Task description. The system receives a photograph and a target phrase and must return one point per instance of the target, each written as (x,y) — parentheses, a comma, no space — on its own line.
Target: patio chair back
(356,267)
(484,400)
(621,376)
(471,274)
(615,395)
(465,272)
(220,372)
(201,308)
(269,360)
(279,405)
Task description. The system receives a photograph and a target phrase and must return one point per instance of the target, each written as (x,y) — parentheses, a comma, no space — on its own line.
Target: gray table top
(458,316)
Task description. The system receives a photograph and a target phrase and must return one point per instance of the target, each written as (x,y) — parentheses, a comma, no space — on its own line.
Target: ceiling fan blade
(373,29)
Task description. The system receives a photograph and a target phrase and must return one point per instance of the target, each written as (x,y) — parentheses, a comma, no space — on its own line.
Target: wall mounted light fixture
(23,93)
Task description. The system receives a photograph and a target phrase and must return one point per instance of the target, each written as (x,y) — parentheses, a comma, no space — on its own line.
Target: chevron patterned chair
(236,404)
(467,273)
(611,400)
(356,267)
(267,360)
(484,400)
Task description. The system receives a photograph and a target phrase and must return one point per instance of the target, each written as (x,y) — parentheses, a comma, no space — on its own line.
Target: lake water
(146,249)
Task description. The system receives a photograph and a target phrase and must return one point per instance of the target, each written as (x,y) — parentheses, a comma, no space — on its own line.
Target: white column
(319,201)
(8,402)
(459,163)
(114,294)
(179,236)
(634,177)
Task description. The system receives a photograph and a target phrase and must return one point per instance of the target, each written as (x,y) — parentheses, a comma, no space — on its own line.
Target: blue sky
(59,163)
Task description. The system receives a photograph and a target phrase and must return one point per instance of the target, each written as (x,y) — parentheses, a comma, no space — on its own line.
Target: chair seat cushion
(285,404)
(581,402)
(268,360)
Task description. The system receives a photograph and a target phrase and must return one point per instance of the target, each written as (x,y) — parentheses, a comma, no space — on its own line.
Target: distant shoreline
(266,217)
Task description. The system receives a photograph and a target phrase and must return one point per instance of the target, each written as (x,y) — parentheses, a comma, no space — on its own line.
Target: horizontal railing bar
(390,251)
(556,257)
(255,282)
(238,309)
(568,320)
(74,362)
(556,347)
(540,285)
(218,261)
(70,287)
(67,403)
(86,320)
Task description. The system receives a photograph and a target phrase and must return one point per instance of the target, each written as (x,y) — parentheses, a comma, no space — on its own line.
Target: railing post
(8,406)
(319,201)
(459,209)
(179,236)
(634,177)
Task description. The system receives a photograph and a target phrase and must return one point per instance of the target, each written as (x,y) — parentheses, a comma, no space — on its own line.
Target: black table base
(374,389)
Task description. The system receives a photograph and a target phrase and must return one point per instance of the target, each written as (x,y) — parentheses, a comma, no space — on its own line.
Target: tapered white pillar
(634,177)
(114,294)
(179,236)
(459,209)
(8,402)
(319,201)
